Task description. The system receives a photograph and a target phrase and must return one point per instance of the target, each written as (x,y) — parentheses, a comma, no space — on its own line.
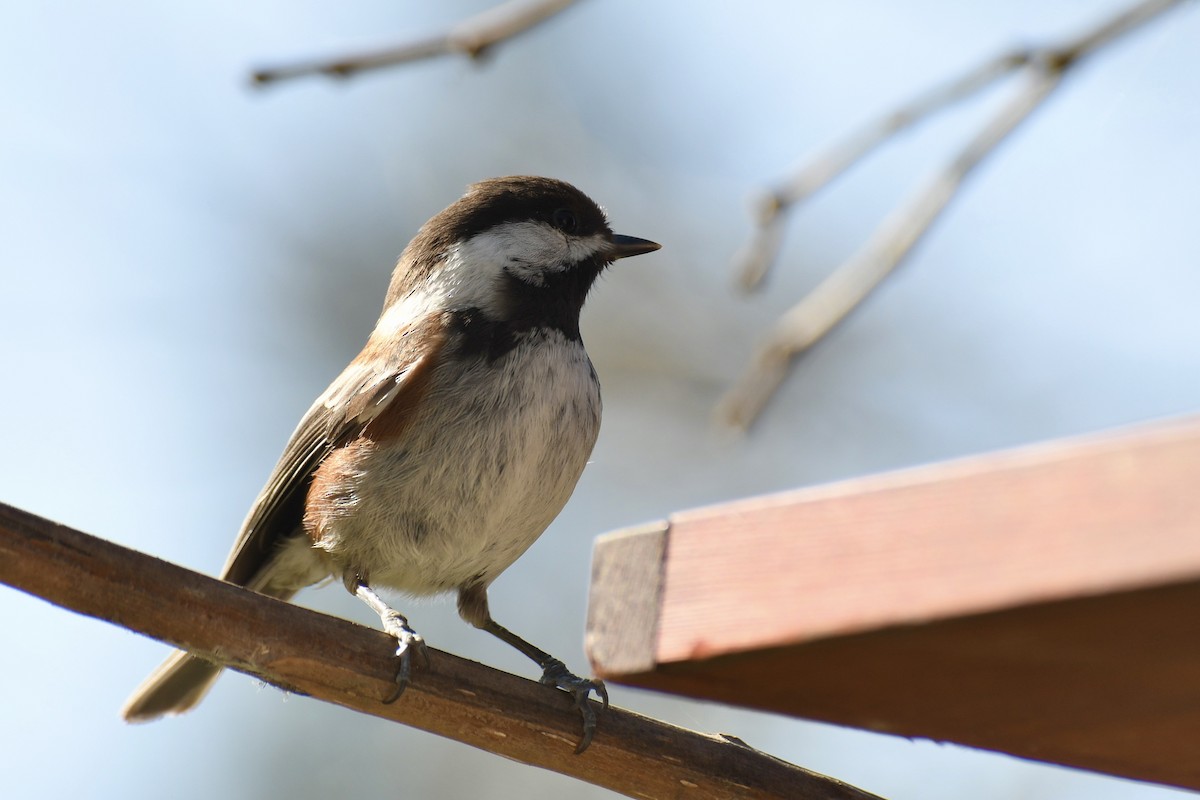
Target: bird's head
(513,248)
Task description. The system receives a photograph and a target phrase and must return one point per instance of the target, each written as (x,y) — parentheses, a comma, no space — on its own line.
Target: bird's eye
(564,220)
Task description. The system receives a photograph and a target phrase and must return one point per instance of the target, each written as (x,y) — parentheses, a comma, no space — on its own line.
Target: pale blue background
(185,263)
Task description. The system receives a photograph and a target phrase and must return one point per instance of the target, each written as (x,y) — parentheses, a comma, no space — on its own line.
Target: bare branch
(760,253)
(895,237)
(337,661)
(840,293)
(472,37)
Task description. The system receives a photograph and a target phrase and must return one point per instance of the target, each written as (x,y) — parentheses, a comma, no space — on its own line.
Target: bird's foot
(555,674)
(408,642)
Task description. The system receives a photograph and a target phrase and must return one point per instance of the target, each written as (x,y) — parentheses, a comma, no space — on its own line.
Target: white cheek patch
(472,271)
(524,248)
(530,249)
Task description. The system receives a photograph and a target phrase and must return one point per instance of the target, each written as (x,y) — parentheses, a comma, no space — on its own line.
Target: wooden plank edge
(624,600)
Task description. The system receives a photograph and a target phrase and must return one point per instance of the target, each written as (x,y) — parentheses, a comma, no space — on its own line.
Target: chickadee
(452,440)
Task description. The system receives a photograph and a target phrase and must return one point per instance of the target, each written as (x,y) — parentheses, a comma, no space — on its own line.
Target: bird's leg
(472,606)
(555,673)
(395,624)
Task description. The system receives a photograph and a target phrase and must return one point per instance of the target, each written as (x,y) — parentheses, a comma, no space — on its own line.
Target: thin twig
(835,297)
(472,37)
(851,282)
(760,253)
(337,661)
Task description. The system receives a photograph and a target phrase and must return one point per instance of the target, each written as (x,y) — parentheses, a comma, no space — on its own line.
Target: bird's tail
(175,687)
(183,679)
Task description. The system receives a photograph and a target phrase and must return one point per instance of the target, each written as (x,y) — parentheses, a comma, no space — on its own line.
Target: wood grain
(626,590)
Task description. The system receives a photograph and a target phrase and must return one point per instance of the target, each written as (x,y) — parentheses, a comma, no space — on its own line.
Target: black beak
(626,246)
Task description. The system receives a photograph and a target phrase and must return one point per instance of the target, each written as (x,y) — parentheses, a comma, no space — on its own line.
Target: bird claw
(408,641)
(556,674)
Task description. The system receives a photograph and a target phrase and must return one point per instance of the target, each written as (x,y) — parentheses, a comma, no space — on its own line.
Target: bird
(450,442)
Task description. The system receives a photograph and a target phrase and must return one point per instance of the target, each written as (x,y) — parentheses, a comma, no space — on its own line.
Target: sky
(186,262)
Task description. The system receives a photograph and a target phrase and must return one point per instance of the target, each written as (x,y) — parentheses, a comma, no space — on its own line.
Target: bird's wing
(391,378)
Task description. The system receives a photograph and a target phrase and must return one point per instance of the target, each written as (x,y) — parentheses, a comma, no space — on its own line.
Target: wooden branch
(473,38)
(851,283)
(330,659)
(1041,602)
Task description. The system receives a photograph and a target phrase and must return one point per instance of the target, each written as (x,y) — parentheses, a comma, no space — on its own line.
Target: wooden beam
(1043,602)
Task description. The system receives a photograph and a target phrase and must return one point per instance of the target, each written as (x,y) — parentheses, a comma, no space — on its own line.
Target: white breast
(488,464)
